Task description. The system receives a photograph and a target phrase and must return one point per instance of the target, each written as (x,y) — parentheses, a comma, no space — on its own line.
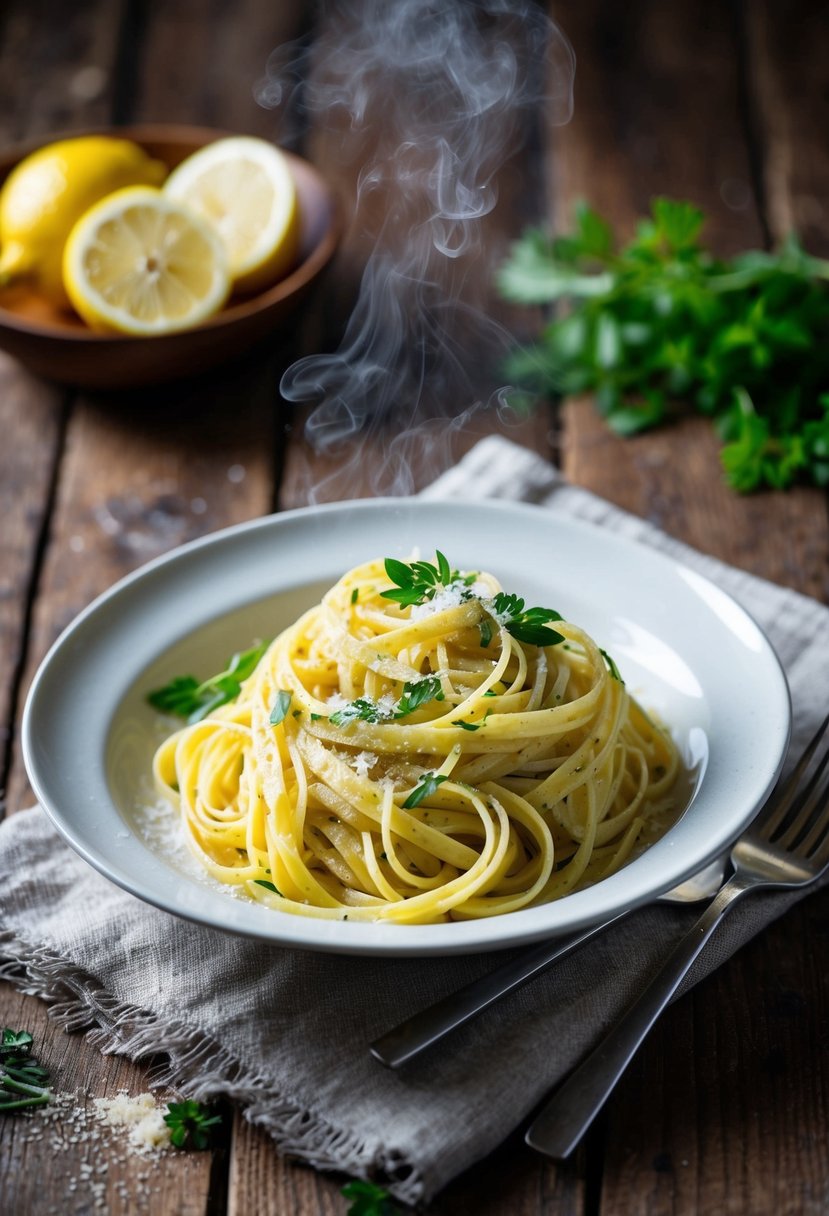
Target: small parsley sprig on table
(661,321)
(23,1082)
(187,697)
(191,1124)
(368,1199)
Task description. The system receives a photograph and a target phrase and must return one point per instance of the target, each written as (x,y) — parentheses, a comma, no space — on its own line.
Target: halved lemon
(47,193)
(139,263)
(243,187)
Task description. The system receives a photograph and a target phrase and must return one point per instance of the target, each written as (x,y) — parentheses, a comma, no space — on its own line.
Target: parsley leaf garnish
(280,706)
(425,789)
(368,1199)
(263,882)
(190,1123)
(661,320)
(418,582)
(415,694)
(361,710)
(23,1082)
(485,628)
(530,625)
(187,698)
(611,666)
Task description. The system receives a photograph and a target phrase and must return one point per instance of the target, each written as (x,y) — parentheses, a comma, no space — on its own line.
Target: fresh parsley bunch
(661,320)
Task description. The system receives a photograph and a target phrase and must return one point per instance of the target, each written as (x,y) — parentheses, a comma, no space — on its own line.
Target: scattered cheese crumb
(387,704)
(141,1114)
(362,762)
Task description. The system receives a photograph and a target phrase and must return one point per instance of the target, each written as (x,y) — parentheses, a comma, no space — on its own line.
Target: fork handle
(408,1039)
(562,1122)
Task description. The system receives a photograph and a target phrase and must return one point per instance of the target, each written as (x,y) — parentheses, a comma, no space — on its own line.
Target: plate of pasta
(406,727)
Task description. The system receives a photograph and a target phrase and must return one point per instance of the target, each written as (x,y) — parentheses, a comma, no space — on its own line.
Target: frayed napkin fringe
(196,1066)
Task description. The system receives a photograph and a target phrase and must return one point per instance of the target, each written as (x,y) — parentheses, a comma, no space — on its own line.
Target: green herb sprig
(280,707)
(424,789)
(188,698)
(190,1124)
(418,582)
(661,321)
(415,693)
(23,1082)
(368,1199)
(530,625)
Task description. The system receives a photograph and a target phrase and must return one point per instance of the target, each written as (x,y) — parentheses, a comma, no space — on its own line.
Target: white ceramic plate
(686,650)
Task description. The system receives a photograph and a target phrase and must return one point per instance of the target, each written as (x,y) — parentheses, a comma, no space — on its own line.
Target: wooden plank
(203,62)
(269,1185)
(750,1076)
(140,477)
(141,474)
(511,1182)
(61,1161)
(31,418)
(57,69)
(786,85)
(697,1125)
(629,140)
(76,57)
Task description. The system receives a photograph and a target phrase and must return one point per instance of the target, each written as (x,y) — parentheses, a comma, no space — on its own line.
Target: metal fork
(787,845)
(428,1026)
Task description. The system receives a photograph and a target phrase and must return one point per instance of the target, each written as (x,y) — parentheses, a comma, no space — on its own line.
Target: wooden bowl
(59,346)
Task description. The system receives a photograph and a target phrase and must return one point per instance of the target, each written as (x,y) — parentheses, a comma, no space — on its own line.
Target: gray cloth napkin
(284,1033)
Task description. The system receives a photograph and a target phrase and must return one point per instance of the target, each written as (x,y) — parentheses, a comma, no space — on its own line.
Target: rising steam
(424,104)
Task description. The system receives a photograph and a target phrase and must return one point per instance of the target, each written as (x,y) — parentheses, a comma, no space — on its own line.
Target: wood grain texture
(140,477)
(631,139)
(697,1125)
(57,70)
(787,88)
(31,419)
(61,1161)
(140,474)
(69,81)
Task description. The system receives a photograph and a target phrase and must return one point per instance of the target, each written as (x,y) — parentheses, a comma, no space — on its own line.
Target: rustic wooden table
(725,1109)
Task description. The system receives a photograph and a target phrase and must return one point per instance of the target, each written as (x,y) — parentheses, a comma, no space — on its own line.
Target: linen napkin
(285,1033)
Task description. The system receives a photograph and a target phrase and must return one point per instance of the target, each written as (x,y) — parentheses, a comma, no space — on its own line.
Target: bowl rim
(247,306)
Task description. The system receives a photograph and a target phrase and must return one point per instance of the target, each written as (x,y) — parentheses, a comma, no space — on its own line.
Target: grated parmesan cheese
(362,762)
(448,597)
(141,1115)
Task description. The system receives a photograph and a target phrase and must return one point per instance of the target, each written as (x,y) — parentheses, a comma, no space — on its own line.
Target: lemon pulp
(243,187)
(140,263)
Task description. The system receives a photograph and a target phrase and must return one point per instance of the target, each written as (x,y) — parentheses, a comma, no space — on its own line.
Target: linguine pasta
(404,753)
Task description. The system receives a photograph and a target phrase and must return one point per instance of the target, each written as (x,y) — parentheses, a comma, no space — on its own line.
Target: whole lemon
(48,191)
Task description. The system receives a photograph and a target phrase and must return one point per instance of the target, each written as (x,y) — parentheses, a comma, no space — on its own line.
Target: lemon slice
(140,263)
(48,192)
(243,188)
